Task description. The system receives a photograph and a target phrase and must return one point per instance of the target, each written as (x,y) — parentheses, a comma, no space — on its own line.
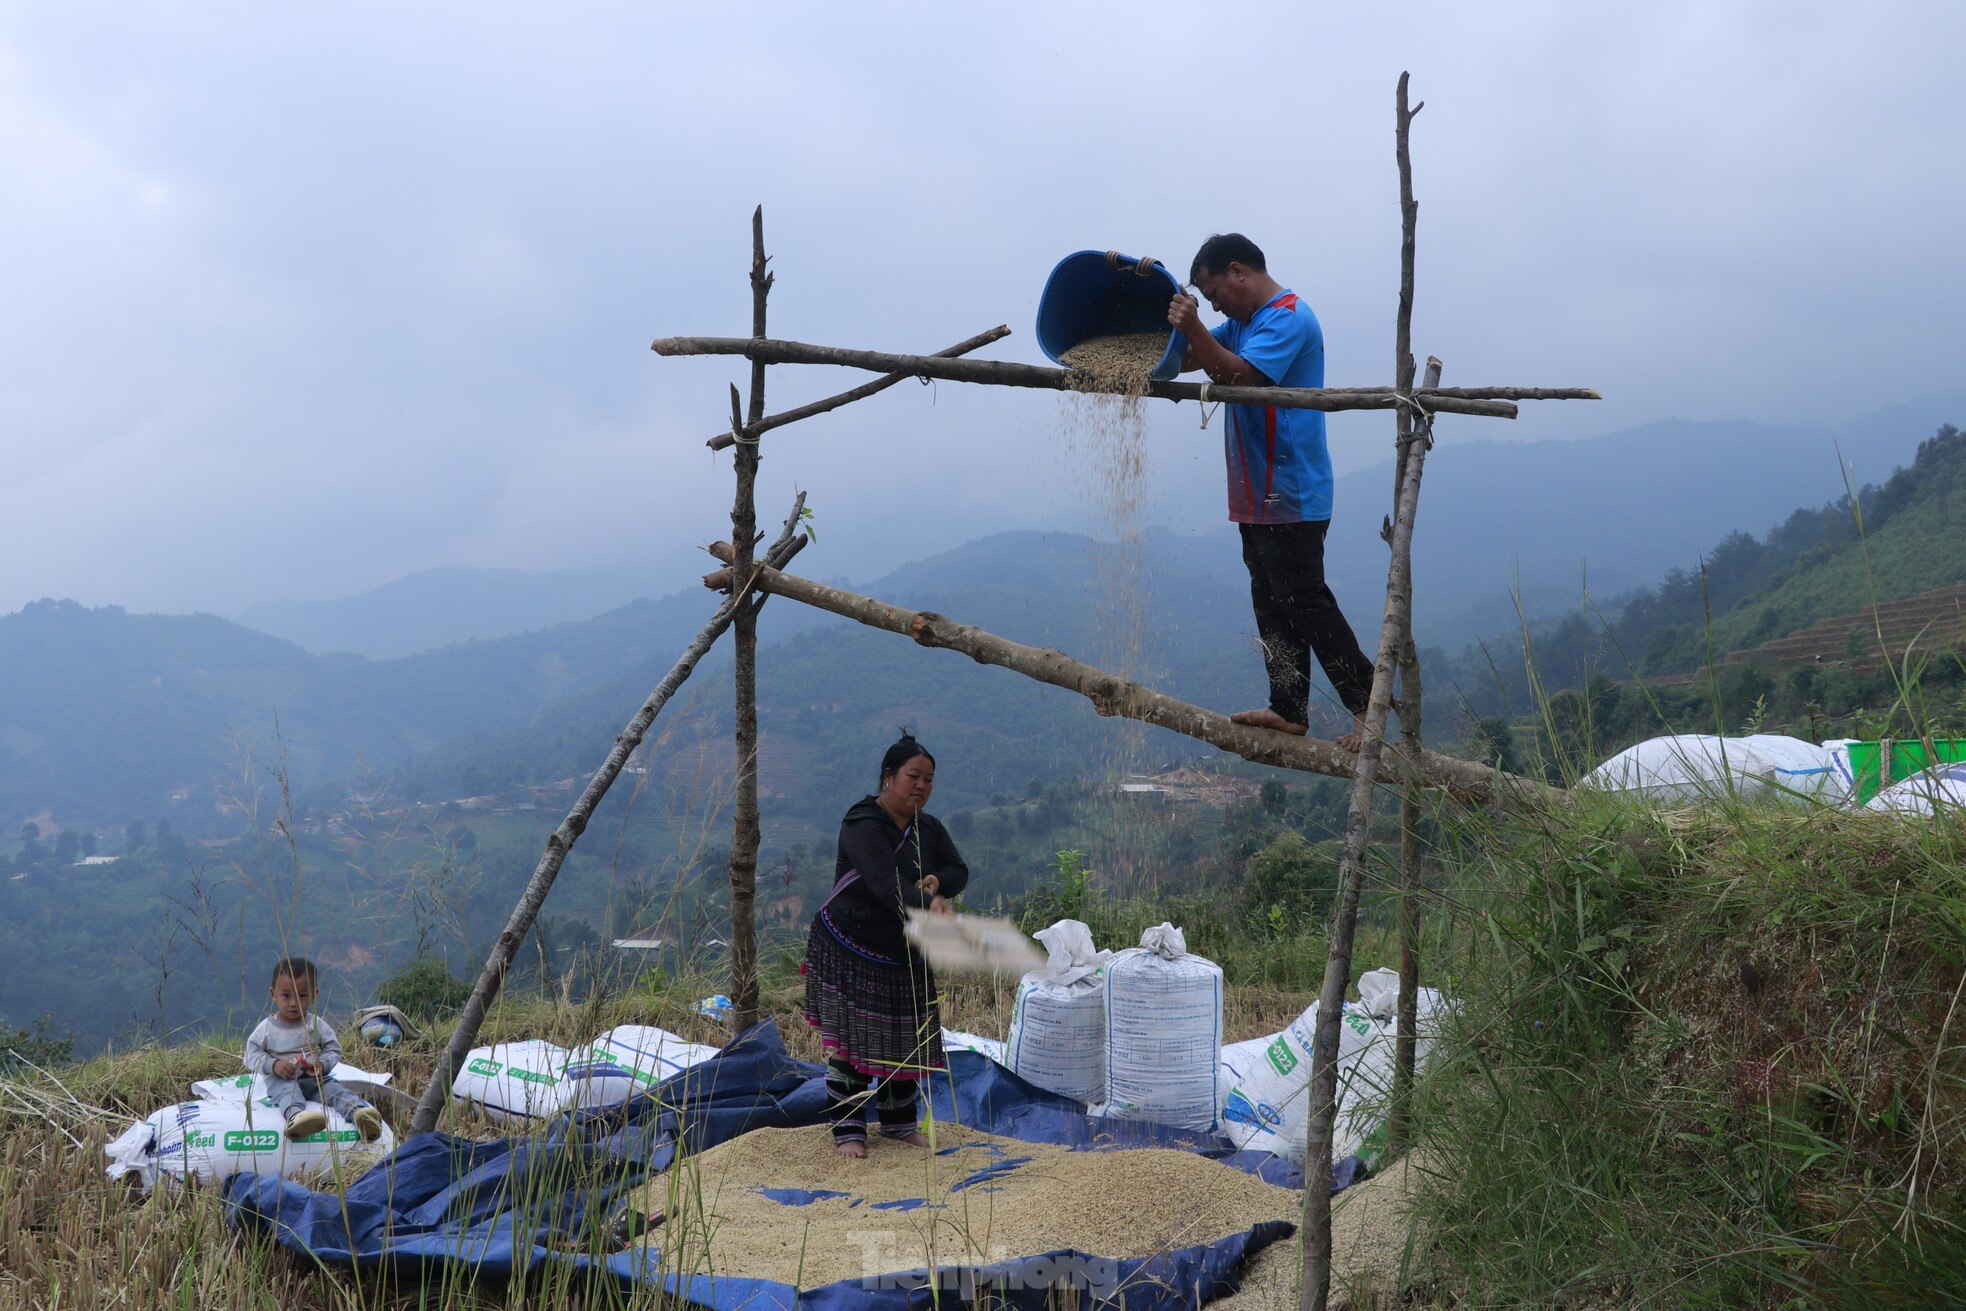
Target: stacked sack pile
(1134,1035)
(1138,1035)
(232,1126)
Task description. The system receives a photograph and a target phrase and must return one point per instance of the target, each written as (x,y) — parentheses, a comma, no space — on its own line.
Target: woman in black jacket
(869,995)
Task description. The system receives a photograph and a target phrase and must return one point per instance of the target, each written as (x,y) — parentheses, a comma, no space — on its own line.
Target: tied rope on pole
(1423,430)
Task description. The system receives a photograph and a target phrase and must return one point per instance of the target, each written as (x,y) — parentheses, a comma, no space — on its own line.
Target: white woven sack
(1246,1123)
(1058,1022)
(513,1082)
(1843,774)
(1058,1036)
(1942,787)
(245,1087)
(1685,767)
(1163,1033)
(649,1054)
(955,1040)
(1799,771)
(208,1140)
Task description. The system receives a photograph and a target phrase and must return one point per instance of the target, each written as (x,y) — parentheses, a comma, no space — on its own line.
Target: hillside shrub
(40,1045)
(424,989)
(1705,1058)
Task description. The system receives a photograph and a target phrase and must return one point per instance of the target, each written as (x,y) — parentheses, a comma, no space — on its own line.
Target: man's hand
(1184,313)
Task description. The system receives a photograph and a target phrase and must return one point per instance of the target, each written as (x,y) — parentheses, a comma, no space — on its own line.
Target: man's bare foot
(853,1151)
(1355,739)
(1270,719)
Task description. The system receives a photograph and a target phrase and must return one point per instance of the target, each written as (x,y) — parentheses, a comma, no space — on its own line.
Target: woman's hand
(940,906)
(931,884)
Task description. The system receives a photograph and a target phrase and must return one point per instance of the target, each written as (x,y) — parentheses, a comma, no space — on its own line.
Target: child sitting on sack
(296,1051)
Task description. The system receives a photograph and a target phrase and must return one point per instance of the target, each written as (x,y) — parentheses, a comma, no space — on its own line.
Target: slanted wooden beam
(862,392)
(1111,694)
(1004,373)
(492,977)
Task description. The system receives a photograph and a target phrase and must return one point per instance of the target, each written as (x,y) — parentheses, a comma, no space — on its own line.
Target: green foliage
(41,1045)
(1702,1060)
(1291,882)
(1066,894)
(425,989)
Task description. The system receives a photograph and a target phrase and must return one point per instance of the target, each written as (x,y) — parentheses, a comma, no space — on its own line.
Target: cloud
(306,300)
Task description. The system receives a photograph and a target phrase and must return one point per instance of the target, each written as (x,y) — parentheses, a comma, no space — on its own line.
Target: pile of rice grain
(1114,1204)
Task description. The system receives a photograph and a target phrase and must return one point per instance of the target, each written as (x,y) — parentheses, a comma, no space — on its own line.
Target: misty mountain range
(1543,518)
(107,716)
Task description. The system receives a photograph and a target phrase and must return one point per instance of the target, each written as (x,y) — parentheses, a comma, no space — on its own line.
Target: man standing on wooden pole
(1279,479)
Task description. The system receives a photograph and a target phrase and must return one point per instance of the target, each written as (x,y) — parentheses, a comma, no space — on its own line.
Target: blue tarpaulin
(505,1207)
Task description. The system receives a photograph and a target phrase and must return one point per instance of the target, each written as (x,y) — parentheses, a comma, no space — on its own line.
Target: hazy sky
(300,299)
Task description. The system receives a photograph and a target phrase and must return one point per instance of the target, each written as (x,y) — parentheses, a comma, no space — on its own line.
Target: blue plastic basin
(1090,295)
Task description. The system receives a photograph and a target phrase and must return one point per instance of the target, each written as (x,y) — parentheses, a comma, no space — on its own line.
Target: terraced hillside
(1931,621)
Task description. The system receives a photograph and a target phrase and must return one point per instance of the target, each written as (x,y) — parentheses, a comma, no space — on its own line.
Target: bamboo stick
(1111,694)
(745,835)
(1314,1287)
(560,843)
(1004,373)
(862,392)
(1410,815)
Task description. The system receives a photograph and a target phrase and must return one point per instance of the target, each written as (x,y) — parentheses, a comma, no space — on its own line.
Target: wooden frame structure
(749,580)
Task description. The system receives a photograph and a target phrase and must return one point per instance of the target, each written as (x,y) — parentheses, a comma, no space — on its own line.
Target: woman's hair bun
(904,750)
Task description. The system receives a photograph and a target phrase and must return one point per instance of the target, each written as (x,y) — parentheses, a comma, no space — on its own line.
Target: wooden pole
(1004,373)
(864,390)
(1111,694)
(1411,812)
(492,977)
(745,835)
(1410,689)
(1314,1289)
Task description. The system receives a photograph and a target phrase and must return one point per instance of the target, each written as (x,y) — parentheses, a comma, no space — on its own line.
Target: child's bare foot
(852,1150)
(1270,719)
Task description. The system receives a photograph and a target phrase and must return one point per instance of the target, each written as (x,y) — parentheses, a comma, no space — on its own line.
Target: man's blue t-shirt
(1279,466)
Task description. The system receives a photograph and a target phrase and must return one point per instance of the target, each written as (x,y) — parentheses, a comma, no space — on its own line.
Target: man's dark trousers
(1297,616)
